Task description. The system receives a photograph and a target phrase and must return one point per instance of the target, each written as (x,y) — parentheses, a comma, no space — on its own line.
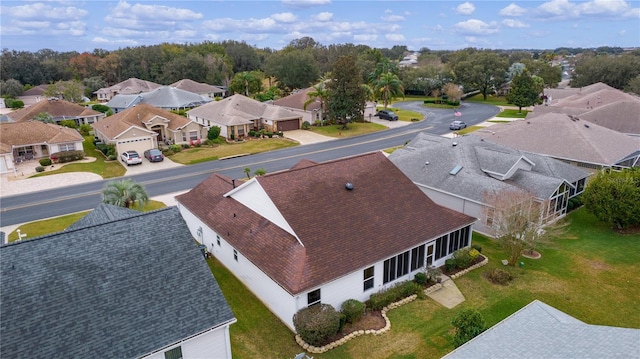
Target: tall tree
(614,197)
(44,117)
(388,86)
(319,93)
(615,71)
(345,95)
(484,71)
(11,88)
(125,193)
(242,56)
(524,91)
(293,69)
(453,91)
(248,82)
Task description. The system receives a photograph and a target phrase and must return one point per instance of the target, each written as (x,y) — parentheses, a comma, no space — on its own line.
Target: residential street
(79,197)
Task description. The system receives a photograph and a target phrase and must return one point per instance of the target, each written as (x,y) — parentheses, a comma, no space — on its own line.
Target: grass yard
(491,100)
(101,167)
(57,224)
(205,153)
(353,129)
(403,115)
(512,113)
(469,129)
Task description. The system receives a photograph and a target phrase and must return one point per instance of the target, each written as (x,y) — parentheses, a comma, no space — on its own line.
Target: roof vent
(426,163)
(455,170)
(585,125)
(349,186)
(454,144)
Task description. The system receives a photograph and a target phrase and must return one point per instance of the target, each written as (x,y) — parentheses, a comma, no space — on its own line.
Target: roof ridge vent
(349,186)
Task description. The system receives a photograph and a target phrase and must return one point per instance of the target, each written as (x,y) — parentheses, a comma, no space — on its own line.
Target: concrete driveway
(305,137)
(147,166)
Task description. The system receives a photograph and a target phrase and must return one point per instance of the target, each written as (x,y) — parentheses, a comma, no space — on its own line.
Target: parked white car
(131,158)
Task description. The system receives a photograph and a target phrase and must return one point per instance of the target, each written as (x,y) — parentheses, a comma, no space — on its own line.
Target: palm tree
(388,86)
(319,92)
(125,193)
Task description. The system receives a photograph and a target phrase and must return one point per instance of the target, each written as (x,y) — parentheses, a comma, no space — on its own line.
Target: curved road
(44,204)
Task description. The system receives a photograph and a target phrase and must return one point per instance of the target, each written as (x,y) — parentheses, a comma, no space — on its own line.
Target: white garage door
(138,144)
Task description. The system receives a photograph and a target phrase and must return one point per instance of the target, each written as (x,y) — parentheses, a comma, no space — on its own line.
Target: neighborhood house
(323,232)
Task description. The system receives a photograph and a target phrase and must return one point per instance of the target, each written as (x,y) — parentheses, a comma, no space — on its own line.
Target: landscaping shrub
(462,258)
(13,103)
(112,157)
(175,148)
(85,129)
(39,169)
(317,323)
(477,248)
(379,300)
(469,323)
(421,279)
(45,162)
(353,310)
(269,134)
(67,156)
(433,274)
(213,133)
(498,276)
(68,123)
(253,133)
(306,125)
(473,253)
(449,264)
(574,203)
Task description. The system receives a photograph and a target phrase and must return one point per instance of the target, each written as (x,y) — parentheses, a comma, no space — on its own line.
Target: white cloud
(475,27)
(305,3)
(471,39)
(365,37)
(228,25)
(42,11)
(465,9)
(393,18)
(323,16)
(513,10)
(603,7)
(395,37)
(153,12)
(514,23)
(284,17)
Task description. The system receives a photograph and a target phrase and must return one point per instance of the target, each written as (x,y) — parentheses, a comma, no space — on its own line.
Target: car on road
(153,155)
(457,125)
(131,158)
(387,115)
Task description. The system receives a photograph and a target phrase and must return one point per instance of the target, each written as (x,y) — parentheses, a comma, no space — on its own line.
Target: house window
(193,135)
(489,220)
(368,278)
(441,246)
(184,137)
(313,297)
(235,255)
(417,257)
(66,147)
(175,353)
(218,240)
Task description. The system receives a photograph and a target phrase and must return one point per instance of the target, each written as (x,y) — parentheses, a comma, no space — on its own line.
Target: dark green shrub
(469,323)
(353,310)
(85,129)
(421,279)
(317,323)
(175,148)
(13,103)
(379,300)
(453,103)
(185,145)
(213,133)
(462,258)
(39,169)
(252,133)
(67,156)
(280,134)
(476,247)
(430,100)
(498,276)
(449,264)
(68,123)
(306,125)
(101,108)
(112,157)
(45,162)
(269,134)
(574,203)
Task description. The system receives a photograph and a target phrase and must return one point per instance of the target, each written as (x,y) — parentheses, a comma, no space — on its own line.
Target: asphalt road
(55,202)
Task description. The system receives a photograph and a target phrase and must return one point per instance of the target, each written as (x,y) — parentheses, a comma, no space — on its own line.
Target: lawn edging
(467,270)
(319,350)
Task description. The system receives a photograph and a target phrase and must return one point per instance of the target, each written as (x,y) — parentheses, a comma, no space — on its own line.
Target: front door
(431,249)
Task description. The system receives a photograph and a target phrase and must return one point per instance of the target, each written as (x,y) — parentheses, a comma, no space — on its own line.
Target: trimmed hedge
(67,156)
(317,323)
(45,162)
(379,300)
(353,310)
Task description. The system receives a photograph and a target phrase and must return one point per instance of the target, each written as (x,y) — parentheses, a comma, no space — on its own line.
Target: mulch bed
(456,270)
(371,320)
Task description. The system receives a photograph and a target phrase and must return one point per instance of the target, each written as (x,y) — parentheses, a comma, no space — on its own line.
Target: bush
(68,123)
(379,300)
(462,258)
(498,276)
(352,310)
(269,134)
(469,323)
(112,157)
(175,148)
(449,264)
(67,156)
(39,169)
(574,203)
(45,162)
(421,279)
(253,133)
(85,129)
(477,248)
(317,323)
(13,103)
(473,253)
(213,133)
(306,125)
(433,274)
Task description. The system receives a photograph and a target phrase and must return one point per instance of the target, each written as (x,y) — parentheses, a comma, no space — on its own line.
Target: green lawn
(353,129)
(511,113)
(491,100)
(469,129)
(206,153)
(101,167)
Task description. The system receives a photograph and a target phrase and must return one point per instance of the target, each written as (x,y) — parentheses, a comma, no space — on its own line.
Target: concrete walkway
(448,295)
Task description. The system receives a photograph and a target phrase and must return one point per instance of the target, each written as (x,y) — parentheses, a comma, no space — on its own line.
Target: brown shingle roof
(558,135)
(31,132)
(196,87)
(55,108)
(341,230)
(114,125)
(298,99)
(132,86)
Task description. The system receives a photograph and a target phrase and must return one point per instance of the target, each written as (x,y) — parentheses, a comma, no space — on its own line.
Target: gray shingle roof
(118,289)
(483,162)
(102,214)
(541,331)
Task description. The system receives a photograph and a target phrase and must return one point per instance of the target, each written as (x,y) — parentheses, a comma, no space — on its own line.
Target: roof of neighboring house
(560,93)
(318,230)
(595,99)
(58,109)
(240,110)
(104,213)
(162,97)
(36,91)
(196,87)
(33,132)
(621,116)
(541,331)
(120,288)
(297,100)
(484,167)
(130,86)
(564,136)
(113,126)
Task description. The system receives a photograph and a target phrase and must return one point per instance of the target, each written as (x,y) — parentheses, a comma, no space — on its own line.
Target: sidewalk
(448,295)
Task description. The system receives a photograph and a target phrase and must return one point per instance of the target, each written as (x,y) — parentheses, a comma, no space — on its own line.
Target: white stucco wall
(212,344)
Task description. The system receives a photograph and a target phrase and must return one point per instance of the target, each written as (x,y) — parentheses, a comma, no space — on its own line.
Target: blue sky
(67,25)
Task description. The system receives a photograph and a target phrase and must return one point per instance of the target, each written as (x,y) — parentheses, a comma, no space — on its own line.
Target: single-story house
(31,140)
(199,88)
(121,284)
(33,95)
(237,115)
(165,97)
(569,139)
(58,109)
(297,99)
(458,173)
(322,232)
(144,126)
(541,331)
(131,86)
